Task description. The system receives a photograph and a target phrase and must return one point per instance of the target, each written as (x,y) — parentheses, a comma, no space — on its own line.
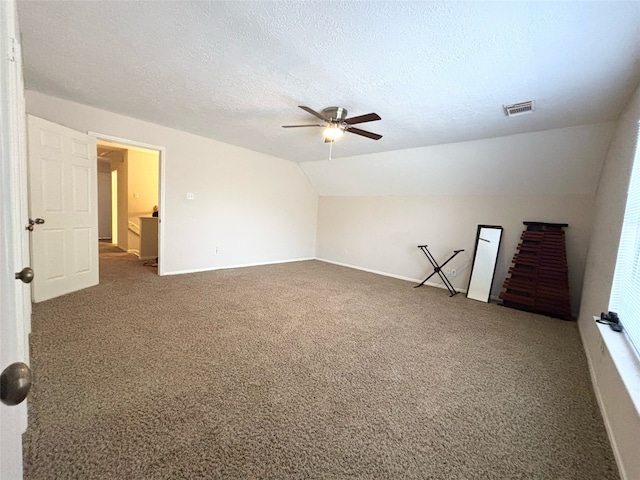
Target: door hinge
(14,49)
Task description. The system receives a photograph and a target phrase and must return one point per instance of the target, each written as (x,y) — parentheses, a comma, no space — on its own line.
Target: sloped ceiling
(436,72)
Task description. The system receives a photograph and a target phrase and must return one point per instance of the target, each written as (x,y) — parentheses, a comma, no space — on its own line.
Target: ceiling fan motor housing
(337,122)
(335,114)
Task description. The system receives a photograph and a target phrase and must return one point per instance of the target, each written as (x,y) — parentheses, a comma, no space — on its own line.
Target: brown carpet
(303,370)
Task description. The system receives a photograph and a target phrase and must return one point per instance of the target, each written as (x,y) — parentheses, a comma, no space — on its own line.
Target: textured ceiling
(436,72)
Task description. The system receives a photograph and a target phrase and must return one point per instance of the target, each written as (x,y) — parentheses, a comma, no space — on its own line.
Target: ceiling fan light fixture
(336,123)
(333,132)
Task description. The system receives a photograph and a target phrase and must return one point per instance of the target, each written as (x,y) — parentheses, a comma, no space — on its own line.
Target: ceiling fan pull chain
(330,149)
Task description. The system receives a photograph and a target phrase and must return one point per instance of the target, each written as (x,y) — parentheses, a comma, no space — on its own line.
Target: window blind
(625,290)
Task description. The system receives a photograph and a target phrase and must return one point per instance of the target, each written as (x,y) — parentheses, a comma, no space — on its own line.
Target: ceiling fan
(336,123)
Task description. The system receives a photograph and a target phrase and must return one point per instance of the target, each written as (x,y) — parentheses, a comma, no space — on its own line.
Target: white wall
(622,417)
(375,209)
(254,207)
(382,233)
(561,161)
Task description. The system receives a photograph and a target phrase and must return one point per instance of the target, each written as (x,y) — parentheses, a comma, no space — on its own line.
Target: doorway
(130,197)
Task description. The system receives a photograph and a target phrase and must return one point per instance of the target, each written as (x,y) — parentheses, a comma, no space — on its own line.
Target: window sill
(625,358)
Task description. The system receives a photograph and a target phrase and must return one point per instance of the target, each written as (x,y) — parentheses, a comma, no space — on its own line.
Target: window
(625,291)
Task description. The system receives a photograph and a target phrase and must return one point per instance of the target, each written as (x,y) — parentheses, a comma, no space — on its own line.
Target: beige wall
(143,182)
(382,233)
(142,189)
(621,416)
(254,207)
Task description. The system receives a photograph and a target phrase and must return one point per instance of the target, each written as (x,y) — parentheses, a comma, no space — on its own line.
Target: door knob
(37,221)
(26,275)
(15,383)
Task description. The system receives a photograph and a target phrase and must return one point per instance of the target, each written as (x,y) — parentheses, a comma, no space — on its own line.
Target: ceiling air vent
(518,108)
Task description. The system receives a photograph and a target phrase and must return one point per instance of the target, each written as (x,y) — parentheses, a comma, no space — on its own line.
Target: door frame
(16,156)
(15,305)
(161,184)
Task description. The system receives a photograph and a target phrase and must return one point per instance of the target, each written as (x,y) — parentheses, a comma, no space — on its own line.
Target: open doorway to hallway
(128,198)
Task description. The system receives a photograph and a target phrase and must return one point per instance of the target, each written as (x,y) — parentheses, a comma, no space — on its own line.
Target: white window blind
(625,291)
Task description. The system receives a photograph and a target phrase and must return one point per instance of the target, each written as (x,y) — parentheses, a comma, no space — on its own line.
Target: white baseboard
(612,352)
(377,272)
(392,275)
(601,406)
(227,267)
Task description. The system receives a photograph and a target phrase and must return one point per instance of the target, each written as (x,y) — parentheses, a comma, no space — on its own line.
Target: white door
(15,308)
(63,193)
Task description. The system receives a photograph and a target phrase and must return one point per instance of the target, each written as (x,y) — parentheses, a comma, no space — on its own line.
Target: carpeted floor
(303,371)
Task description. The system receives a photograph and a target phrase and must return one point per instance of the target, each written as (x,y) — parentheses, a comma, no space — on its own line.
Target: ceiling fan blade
(369,117)
(364,133)
(312,112)
(298,126)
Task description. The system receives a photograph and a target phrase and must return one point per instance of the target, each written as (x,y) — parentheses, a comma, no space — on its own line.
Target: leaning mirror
(485,258)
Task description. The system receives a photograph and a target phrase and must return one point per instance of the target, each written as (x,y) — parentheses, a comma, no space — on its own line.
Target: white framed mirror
(485,258)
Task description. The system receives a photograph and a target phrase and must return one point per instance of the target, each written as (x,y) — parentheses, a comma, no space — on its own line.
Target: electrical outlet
(454,272)
(190,196)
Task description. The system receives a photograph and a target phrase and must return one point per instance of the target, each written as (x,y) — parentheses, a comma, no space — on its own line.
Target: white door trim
(17,157)
(161,200)
(15,306)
